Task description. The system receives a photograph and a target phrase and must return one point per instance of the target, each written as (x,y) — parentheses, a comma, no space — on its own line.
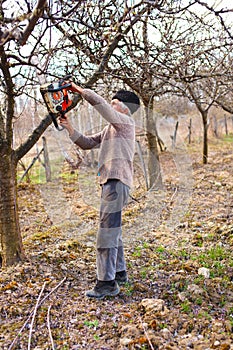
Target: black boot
(103,289)
(121,277)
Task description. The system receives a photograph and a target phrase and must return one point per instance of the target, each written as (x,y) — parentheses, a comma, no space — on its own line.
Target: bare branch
(18,35)
(34,315)
(27,320)
(37,13)
(49,328)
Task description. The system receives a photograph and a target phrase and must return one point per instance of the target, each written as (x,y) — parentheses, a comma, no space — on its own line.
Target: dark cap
(130,99)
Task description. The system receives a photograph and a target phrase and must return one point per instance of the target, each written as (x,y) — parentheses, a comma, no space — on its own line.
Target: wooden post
(25,172)
(31,165)
(190,131)
(46,161)
(225,123)
(174,136)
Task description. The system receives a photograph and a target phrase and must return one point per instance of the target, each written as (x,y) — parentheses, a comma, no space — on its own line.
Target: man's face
(119,106)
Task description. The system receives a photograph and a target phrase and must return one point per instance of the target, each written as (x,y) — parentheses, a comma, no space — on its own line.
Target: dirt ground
(178,246)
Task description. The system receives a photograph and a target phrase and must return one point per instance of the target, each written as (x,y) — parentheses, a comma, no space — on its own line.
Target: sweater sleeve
(105,109)
(86,142)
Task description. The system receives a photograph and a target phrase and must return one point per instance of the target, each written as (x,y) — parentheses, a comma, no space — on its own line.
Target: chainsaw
(57,98)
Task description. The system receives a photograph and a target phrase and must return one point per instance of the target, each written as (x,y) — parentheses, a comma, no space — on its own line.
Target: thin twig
(53,290)
(49,329)
(27,320)
(146,334)
(34,315)
(172,197)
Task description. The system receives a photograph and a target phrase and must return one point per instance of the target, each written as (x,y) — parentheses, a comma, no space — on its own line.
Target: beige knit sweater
(116,141)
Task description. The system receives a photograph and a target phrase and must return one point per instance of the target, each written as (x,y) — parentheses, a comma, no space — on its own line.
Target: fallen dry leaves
(180,293)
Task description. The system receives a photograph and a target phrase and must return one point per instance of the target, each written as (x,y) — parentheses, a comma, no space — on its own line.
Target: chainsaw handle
(59,88)
(54,119)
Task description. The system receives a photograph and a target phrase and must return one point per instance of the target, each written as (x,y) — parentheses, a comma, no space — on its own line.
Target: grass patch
(228,138)
(91,324)
(37,172)
(185,307)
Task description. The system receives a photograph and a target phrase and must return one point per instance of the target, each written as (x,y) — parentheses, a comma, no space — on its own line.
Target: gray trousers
(109,246)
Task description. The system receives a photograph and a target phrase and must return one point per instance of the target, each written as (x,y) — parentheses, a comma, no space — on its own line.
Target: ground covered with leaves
(178,245)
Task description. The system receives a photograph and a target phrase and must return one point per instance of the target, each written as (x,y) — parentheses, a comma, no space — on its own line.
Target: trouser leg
(106,263)
(110,252)
(120,263)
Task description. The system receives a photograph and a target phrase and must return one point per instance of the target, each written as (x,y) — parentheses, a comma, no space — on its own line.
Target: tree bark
(154,170)
(11,241)
(36,14)
(205,136)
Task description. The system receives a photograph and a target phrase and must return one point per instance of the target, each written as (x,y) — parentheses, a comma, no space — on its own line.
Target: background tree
(225,97)
(197,47)
(200,81)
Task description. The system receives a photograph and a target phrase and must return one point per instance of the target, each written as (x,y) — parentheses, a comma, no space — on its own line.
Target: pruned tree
(110,41)
(177,52)
(27,66)
(11,241)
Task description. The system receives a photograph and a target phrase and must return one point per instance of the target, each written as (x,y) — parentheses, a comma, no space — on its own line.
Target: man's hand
(64,121)
(74,87)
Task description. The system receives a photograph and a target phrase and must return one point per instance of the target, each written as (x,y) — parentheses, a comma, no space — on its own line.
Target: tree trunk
(215,127)
(205,136)
(46,161)
(11,242)
(154,171)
